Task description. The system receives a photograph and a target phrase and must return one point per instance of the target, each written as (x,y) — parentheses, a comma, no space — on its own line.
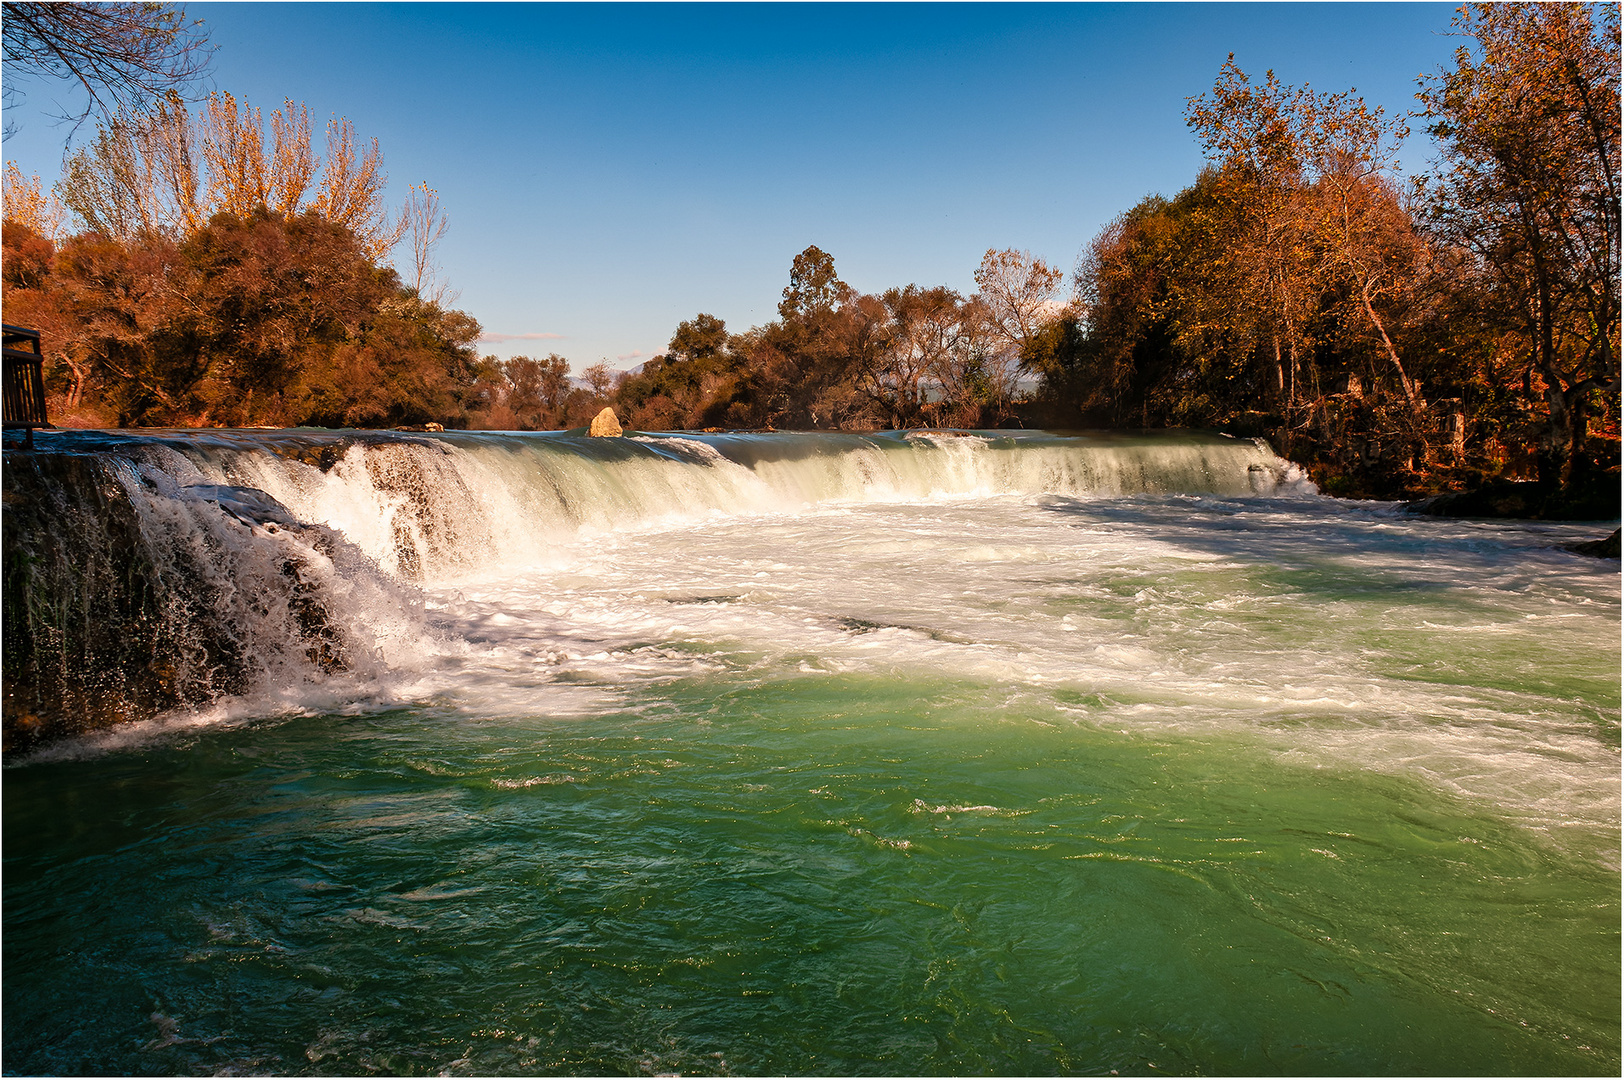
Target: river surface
(787,754)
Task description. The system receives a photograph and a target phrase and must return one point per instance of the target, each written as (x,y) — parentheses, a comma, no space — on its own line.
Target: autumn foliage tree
(164,171)
(1396,340)
(223,274)
(1527,189)
(1306,179)
(256,320)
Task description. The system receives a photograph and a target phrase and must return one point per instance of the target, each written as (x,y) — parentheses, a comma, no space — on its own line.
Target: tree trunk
(1411,394)
(1561,435)
(1291,388)
(1578,461)
(81,376)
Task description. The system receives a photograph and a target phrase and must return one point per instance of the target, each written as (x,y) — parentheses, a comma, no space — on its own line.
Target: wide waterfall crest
(429,509)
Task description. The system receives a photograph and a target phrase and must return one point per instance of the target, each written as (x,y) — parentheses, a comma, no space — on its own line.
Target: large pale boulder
(605,423)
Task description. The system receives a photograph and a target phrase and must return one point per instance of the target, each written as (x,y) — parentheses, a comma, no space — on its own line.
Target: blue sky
(611,170)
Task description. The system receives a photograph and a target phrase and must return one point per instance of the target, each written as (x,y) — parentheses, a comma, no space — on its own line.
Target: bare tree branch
(426,225)
(122,55)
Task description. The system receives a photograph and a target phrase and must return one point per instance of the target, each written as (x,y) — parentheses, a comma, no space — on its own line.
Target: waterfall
(166,569)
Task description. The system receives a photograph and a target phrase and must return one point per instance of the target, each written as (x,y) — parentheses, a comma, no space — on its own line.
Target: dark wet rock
(87,631)
(1597,500)
(1606,548)
(1500,499)
(110,618)
(866,626)
(323,456)
(251,506)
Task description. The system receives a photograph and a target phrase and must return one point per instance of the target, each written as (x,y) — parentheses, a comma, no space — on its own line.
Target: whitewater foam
(1155,585)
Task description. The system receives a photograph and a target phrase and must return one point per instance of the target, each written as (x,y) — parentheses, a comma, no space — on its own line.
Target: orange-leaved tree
(1527,187)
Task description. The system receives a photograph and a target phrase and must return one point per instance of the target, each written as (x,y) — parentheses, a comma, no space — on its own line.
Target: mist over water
(930,753)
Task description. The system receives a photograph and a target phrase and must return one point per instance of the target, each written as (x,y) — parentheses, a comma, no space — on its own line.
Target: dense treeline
(217,279)
(1397,335)
(1396,338)
(263,320)
(837,359)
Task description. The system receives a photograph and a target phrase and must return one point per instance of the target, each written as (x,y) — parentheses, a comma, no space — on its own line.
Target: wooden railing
(24,382)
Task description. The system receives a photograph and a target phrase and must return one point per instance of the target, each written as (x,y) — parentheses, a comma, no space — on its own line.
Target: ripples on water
(955,780)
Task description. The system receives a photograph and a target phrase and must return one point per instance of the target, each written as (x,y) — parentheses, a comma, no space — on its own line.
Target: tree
(600,379)
(28,270)
(267,297)
(426,226)
(257,320)
(704,337)
(1363,237)
(139,177)
(26,203)
(801,371)
(1527,124)
(1176,328)
(1120,281)
(539,391)
(694,384)
(924,329)
(1018,290)
(164,171)
(293,163)
(1306,187)
(1254,134)
(1016,298)
(123,55)
(1068,389)
(351,190)
(813,287)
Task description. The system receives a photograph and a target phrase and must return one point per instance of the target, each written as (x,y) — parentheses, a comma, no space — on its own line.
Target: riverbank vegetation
(1399,335)
(1395,336)
(217,277)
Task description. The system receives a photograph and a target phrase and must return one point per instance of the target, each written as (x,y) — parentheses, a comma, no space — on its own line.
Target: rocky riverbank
(1529,499)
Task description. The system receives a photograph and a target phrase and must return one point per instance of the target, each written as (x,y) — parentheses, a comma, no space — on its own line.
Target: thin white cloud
(633,355)
(497,339)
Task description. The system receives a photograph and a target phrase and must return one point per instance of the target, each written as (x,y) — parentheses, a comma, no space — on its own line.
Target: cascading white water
(433,508)
(240,579)
(271,562)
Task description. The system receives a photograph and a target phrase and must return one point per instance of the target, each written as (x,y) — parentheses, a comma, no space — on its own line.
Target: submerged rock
(1606,548)
(1497,499)
(605,424)
(249,505)
(322,457)
(1595,498)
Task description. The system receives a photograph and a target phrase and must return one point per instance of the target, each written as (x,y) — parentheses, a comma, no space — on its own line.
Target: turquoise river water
(930,754)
